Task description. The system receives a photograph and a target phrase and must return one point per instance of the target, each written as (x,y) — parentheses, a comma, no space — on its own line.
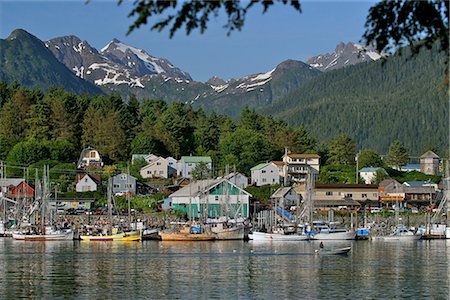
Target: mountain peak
(20,33)
(343,55)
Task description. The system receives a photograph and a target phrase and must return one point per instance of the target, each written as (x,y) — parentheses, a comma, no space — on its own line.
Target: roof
(293,155)
(343,202)
(94,177)
(11,181)
(259,167)
(278,163)
(410,167)
(370,169)
(231,175)
(346,186)
(202,186)
(429,154)
(417,183)
(196,159)
(117,176)
(281,192)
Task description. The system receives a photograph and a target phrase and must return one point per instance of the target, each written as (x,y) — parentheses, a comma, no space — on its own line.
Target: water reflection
(227,269)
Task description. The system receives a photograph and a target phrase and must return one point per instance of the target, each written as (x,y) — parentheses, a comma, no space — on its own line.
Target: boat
(330,231)
(51,233)
(265,236)
(132,236)
(226,229)
(188,232)
(335,251)
(400,233)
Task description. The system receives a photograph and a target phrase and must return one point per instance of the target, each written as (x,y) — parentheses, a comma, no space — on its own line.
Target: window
(264,180)
(92,154)
(123,177)
(190,165)
(349,195)
(364,195)
(149,172)
(116,186)
(216,198)
(263,171)
(129,185)
(375,195)
(161,172)
(329,193)
(158,163)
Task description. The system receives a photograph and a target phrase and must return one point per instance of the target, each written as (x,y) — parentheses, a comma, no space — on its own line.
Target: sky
(265,40)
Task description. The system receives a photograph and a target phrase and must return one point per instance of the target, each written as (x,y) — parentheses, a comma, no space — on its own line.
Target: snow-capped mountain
(344,55)
(116,64)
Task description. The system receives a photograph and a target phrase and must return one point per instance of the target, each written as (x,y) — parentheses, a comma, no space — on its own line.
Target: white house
(158,168)
(89,157)
(238,179)
(216,197)
(187,163)
(86,183)
(147,157)
(369,174)
(265,173)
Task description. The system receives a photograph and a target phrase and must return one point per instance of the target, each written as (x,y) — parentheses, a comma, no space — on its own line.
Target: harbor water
(223,270)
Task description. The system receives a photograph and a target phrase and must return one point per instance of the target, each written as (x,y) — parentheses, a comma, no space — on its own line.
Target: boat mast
(109,206)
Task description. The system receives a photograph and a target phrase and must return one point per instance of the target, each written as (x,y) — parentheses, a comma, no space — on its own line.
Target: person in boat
(321,245)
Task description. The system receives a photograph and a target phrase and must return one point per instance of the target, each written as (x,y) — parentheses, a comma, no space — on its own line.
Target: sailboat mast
(109,206)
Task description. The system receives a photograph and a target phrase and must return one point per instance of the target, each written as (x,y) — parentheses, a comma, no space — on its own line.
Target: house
(123,184)
(429,163)
(89,157)
(188,163)
(391,191)
(217,197)
(369,174)
(286,197)
(16,188)
(86,183)
(297,166)
(416,193)
(265,173)
(158,168)
(340,195)
(238,179)
(172,163)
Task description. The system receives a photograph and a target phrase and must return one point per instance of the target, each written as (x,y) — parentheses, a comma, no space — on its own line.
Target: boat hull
(262,236)
(233,233)
(170,236)
(122,237)
(413,237)
(67,236)
(339,251)
(348,235)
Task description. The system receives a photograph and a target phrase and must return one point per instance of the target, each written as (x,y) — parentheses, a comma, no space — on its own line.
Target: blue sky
(265,40)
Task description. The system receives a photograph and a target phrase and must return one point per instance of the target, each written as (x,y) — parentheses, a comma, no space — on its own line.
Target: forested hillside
(375,103)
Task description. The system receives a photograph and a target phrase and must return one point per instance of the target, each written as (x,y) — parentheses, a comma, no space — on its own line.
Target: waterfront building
(217,197)
(16,188)
(297,166)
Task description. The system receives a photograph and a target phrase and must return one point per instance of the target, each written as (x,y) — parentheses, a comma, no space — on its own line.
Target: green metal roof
(196,159)
(259,167)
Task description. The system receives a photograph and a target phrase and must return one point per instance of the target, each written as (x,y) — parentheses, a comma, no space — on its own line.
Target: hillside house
(238,179)
(123,184)
(89,157)
(188,163)
(86,183)
(16,188)
(297,166)
(369,174)
(265,173)
(158,168)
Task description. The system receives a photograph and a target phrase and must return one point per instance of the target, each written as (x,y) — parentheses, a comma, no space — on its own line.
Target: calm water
(245,270)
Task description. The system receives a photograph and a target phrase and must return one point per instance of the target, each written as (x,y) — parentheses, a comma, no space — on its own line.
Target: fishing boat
(51,233)
(265,236)
(400,233)
(226,229)
(132,236)
(188,233)
(336,251)
(331,231)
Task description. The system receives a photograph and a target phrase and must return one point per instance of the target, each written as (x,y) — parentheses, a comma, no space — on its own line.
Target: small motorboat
(336,251)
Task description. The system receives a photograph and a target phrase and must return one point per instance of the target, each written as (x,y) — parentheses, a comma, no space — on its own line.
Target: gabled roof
(417,183)
(231,175)
(11,181)
(202,186)
(260,166)
(118,175)
(153,162)
(94,177)
(281,192)
(196,159)
(429,154)
(278,163)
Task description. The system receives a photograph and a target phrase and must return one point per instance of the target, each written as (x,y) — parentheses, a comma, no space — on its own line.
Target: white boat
(336,251)
(264,236)
(401,233)
(51,234)
(226,229)
(331,231)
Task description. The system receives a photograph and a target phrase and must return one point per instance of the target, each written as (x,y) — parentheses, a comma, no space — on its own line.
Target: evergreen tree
(369,158)
(397,155)
(342,150)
